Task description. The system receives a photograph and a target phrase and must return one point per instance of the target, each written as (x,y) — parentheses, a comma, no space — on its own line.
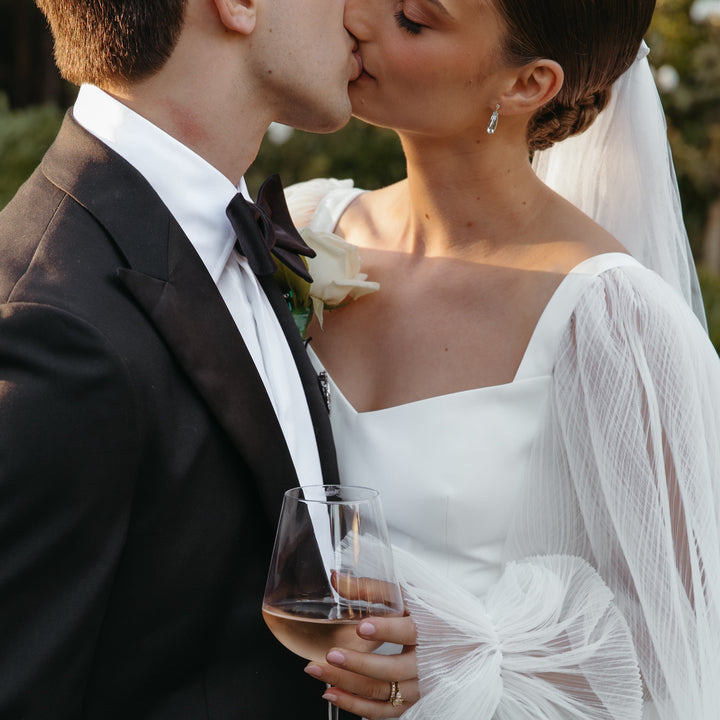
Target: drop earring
(492,125)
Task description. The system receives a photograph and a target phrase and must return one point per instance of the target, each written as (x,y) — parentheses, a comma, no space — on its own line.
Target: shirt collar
(195,192)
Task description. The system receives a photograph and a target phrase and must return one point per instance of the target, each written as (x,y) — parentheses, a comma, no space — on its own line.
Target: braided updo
(594,41)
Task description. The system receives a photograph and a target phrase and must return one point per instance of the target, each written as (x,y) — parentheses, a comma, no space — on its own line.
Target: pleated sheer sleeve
(609,603)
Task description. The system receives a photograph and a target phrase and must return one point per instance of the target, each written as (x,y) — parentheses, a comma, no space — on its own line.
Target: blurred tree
(24,137)
(371,156)
(688,53)
(710,283)
(28,74)
(692,105)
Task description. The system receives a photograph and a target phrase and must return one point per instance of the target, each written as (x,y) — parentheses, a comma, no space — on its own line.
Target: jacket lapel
(169,281)
(309,379)
(189,313)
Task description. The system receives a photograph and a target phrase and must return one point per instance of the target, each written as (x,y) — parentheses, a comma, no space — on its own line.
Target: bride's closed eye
(406,24)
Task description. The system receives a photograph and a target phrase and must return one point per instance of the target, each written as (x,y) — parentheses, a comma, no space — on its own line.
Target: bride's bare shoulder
(574,237)
(367,216)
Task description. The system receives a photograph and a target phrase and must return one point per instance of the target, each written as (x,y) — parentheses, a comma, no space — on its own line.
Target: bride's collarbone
(441,325)
(445,292)
(424,351)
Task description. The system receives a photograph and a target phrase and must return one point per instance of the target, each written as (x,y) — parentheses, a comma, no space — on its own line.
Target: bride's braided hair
(555,122)
(594,41)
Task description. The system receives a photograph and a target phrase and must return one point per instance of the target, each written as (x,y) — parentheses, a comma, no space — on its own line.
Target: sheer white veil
(620,172)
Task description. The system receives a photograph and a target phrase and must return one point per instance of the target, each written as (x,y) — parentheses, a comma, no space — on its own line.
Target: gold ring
(396,699)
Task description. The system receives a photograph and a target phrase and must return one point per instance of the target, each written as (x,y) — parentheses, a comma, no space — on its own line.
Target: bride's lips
(359,71)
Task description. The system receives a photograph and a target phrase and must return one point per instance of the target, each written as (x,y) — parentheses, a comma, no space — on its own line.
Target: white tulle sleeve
(609,606)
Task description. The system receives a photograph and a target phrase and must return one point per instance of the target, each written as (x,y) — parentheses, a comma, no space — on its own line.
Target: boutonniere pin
(337,278)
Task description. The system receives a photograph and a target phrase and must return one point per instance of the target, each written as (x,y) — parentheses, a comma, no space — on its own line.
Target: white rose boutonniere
(337,278)
(335,271)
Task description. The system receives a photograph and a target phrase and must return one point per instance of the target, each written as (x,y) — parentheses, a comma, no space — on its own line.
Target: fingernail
(335,657)
(314,670)
(330,697)
(366,628)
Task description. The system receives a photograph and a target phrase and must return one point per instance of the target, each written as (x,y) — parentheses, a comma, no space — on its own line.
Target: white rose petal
(303,198)
(335,271)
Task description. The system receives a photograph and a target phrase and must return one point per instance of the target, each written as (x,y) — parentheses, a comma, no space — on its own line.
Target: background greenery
(685,54)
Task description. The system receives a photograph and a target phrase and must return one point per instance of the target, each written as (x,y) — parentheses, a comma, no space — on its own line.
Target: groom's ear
(237,15)
(531,87)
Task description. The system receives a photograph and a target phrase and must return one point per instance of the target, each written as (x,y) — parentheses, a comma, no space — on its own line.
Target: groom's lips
(358,71)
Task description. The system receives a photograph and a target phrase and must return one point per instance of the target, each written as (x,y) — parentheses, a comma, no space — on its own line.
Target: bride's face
(431,67)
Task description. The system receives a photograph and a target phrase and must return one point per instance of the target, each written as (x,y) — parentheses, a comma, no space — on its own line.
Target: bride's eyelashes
(406,24)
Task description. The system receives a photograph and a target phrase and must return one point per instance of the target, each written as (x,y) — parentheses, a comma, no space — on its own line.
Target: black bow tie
(265,229)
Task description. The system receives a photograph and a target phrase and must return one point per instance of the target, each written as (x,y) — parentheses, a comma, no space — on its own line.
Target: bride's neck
(471,197)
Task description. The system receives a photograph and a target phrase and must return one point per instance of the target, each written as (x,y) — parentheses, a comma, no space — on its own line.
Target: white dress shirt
(197,195)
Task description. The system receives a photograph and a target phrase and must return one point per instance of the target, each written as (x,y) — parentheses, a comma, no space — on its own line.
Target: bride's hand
(361,683)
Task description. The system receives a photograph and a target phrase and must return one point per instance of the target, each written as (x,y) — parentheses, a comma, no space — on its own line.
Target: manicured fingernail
(314,670)
(366,628)
(335,657)
(330,697)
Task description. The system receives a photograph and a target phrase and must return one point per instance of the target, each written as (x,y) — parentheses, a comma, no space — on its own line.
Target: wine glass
(331,567)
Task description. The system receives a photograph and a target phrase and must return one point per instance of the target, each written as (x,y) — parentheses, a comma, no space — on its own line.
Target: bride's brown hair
(594,41)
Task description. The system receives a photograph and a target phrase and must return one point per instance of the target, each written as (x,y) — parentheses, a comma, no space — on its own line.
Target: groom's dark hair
(112,42)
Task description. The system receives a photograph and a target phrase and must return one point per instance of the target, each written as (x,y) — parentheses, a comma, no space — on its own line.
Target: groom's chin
(325,115)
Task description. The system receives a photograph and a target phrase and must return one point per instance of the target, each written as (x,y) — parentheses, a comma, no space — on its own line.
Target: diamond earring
(492,125)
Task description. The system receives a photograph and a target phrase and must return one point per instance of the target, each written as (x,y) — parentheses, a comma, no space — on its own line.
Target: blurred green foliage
(692,107)
(710,284)
(371,156)
(24,137)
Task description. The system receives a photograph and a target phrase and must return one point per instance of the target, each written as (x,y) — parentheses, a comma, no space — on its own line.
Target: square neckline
(543,340)
(546,333)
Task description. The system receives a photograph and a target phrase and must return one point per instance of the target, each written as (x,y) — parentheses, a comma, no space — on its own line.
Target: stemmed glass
(331,567)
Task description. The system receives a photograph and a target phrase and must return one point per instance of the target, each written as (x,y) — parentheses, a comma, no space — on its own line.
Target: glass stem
(333,710)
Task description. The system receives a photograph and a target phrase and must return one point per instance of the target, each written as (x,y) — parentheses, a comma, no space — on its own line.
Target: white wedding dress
(558,537)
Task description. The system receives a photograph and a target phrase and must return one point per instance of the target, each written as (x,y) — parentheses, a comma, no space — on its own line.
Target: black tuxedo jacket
(141,464)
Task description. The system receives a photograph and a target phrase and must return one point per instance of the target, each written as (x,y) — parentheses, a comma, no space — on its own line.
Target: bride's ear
(531,87)
(237,15)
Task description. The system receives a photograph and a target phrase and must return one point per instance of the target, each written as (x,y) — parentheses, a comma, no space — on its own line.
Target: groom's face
(307,62)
